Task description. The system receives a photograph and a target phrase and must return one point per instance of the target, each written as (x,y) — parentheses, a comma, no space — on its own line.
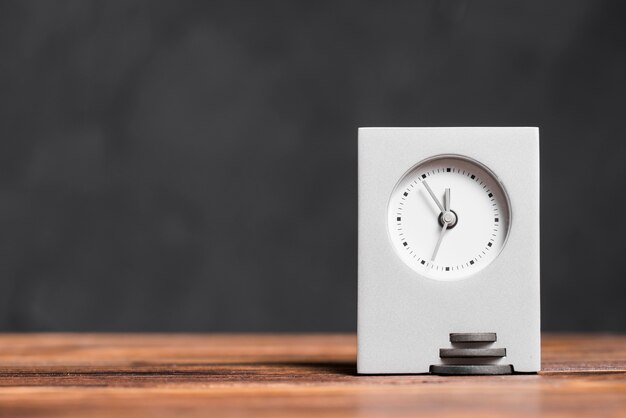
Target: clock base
(471,369)
(470,356)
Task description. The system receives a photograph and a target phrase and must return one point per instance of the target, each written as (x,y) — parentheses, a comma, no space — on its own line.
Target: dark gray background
(192,165)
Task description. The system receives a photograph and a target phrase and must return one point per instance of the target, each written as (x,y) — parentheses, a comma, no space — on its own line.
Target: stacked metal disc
(471,354)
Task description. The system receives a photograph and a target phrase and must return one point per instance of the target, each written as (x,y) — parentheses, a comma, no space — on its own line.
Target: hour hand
(430,191)
(446,200)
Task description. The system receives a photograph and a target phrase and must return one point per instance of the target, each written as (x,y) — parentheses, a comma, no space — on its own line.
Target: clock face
(448,217)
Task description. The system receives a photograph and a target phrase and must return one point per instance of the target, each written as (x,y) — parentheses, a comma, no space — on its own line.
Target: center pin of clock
(450,217)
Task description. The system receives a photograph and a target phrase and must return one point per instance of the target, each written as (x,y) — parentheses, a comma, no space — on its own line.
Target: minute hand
(430,191)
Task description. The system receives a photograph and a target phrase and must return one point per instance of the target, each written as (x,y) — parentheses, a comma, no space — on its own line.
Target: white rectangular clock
(448,258)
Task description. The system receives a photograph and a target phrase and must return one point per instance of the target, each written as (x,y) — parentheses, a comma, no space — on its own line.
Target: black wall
(192,165)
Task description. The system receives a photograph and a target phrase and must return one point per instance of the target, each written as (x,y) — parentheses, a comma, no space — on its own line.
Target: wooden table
(115,375)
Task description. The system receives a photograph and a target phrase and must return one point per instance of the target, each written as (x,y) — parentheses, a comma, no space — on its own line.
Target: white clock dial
(448,217)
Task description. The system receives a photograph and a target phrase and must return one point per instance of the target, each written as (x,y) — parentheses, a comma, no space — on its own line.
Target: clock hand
(433,195)
(443,231)
(446,200)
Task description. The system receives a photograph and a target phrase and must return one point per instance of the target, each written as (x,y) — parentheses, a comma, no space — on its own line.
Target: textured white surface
(404,317)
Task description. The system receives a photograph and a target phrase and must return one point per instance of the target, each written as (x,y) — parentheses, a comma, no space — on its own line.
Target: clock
(448,217)
(448,250)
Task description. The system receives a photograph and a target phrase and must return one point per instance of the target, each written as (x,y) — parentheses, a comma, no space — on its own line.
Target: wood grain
(104,375)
